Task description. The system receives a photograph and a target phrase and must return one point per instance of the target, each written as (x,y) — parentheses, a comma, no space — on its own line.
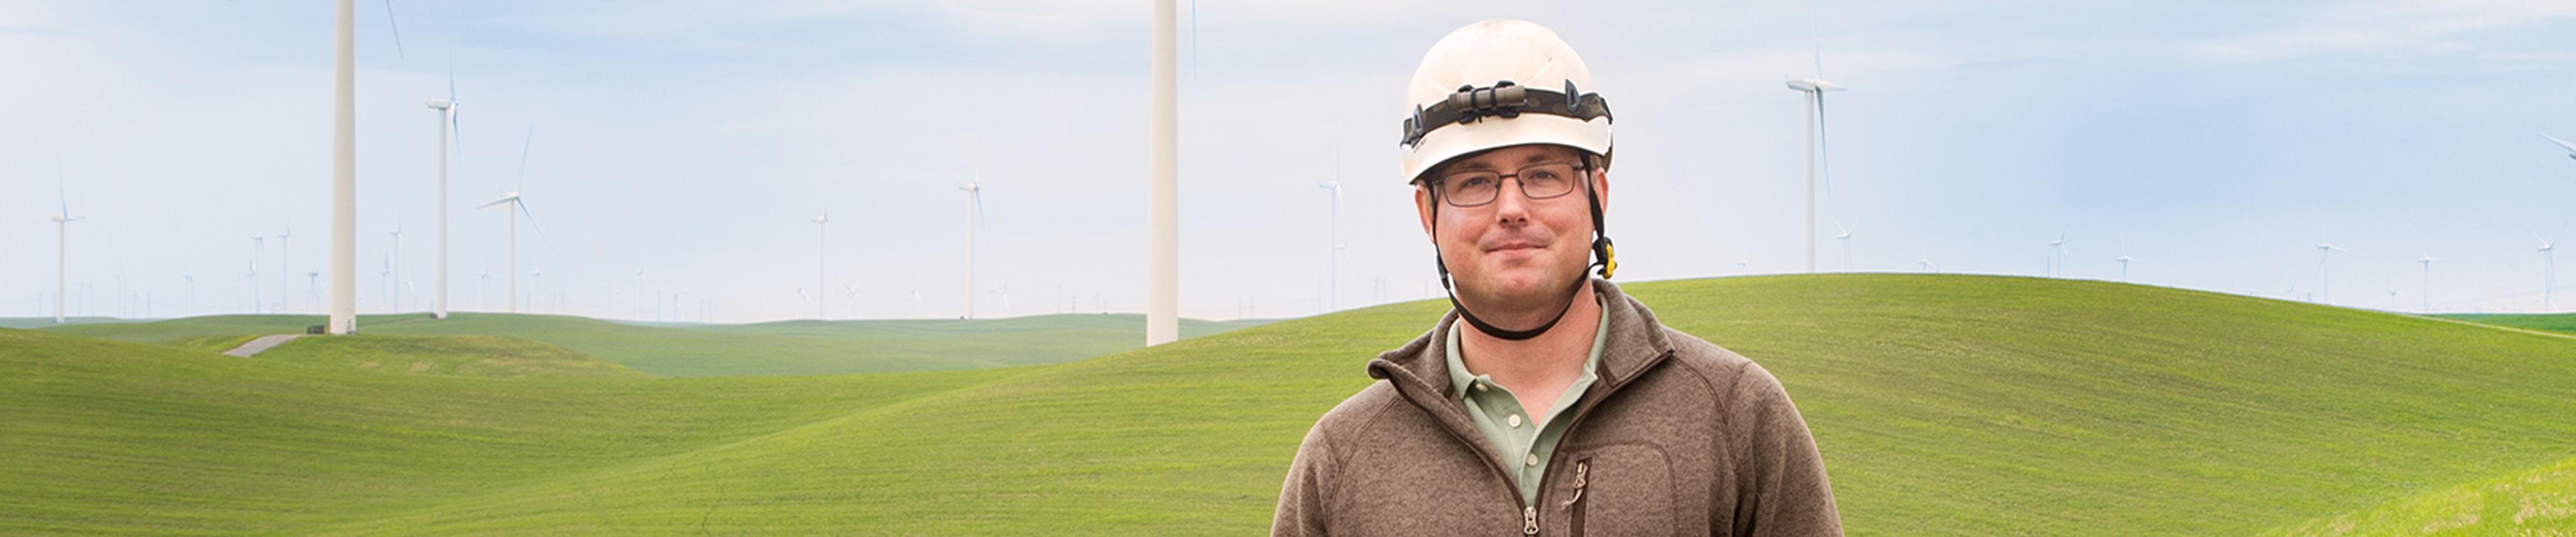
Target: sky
(2215,143)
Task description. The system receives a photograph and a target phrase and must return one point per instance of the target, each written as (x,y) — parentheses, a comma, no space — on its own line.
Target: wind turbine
(2057,255)
(1815,90)
(1163,197)
(447,126)
(822,225)
(2548,271)
(258,247)
(2325,280)
(1926,264)
(190,300)
(2427,261)
(284,275)
(62,237)
(1333,267)
(1845,238)
(975,213)
(396,265)
(2124,267)
(516,208)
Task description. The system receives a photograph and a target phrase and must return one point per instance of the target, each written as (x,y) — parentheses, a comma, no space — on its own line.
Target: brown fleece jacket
(1678,437)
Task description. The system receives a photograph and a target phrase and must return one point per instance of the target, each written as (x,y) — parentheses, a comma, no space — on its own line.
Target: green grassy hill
(40,322)
(2552,322)
(2539,501)
(1946,405)
(112,437)
(475,356)
(787,348)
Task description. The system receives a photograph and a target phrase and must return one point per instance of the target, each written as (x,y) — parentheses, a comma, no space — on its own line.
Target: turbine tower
(62,236)
(2124,267)
(822,226)
(1163,198)
(2427,261)
(2057,256)
(1845,238)
(1814,90)
(1333,266)
(258,247)
(447,126)
(285,275)
(974,213)
(344,172)
(395,264)
(2325,280)
(2548,271)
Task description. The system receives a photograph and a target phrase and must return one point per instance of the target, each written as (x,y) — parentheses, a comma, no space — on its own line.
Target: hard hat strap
(1505,100)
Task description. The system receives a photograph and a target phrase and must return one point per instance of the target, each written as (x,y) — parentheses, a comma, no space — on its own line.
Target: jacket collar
(1636,342)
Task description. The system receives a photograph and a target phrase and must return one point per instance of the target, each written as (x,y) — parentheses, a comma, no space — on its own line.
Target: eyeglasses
(1538,182)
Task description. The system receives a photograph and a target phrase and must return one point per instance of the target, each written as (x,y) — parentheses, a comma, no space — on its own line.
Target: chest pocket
(1621,490)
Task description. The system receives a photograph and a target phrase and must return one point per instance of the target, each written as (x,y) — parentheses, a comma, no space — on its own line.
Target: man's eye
(1475,182)
(1542,175)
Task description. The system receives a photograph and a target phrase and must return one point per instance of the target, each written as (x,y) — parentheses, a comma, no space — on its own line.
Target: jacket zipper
(1529,513)
(1582,471)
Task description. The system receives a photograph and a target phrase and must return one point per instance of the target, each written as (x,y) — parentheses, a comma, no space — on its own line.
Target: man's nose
(1510,206)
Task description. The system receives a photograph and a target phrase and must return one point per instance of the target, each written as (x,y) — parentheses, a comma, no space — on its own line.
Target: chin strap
(1600,247)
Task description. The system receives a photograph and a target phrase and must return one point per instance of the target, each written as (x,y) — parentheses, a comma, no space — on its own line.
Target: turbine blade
(504,199)
(455,114)
(397,26)
(1824,159)
(532,223)
(523,153)
(2571,148)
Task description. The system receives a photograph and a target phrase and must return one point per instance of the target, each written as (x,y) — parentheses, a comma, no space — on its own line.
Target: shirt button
(1515,420)
(1532,460)
(1478,385)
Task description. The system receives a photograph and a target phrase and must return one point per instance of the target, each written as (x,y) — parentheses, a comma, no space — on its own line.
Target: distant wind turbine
(974,214)
(1333,266)
(2124,267)
(2057,256)
(516,208)
(822,224)
(396,265)
(258,247)
(2548,271)
(285,275)
(2427,261)
(2325,279)
(62,240)
(448,110)
(1814,90)
(1845,238)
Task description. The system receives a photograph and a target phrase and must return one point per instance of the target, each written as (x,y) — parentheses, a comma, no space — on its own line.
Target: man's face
(1515,255)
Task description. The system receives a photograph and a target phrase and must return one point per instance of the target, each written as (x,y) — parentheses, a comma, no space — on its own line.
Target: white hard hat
(1500,83)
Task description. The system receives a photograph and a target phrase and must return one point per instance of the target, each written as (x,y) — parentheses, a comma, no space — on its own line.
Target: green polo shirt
(1525,447)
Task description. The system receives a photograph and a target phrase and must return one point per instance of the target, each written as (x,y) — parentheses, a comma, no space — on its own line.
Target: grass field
(787,348)
(1945,405)
(2553,322)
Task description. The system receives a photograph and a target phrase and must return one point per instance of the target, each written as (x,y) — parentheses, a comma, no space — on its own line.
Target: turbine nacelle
(1814,85)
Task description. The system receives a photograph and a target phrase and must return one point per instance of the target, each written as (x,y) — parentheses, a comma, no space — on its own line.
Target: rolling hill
(1944,404)
(786,348)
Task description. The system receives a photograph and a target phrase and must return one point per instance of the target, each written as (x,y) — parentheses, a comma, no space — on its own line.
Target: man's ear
(1601,188)
(1422,200)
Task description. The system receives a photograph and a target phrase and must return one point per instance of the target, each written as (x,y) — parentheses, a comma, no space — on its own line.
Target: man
(1546,402)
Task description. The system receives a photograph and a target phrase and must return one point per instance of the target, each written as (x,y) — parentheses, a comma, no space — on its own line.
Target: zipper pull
(1581,468)
(1529,520)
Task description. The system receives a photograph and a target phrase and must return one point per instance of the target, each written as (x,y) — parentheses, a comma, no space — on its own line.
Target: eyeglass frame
(1440,183)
